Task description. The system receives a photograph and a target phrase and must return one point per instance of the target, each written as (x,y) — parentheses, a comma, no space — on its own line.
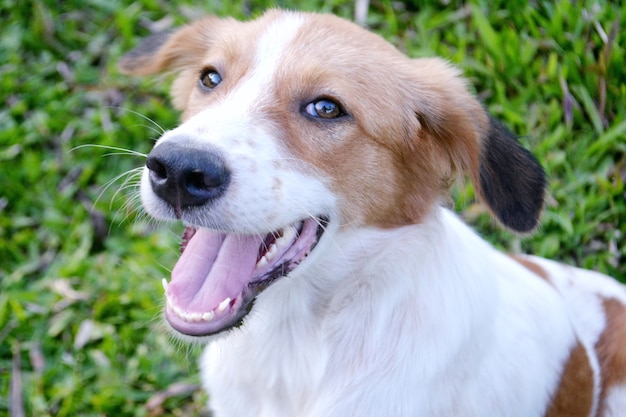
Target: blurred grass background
(80,267)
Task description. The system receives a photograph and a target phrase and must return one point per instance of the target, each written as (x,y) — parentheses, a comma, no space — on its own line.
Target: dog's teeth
(269,255)
(223,305)
(262,262)
(198,317)
(180,313)
(289,233)
(281,242)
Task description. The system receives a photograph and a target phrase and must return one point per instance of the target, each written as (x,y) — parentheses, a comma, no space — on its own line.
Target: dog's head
(296,126)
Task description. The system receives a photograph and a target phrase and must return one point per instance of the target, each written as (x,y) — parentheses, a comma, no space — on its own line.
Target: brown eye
(210,78)
(324,108)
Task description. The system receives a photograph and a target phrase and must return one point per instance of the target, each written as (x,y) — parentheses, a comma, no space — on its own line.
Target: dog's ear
(149,56)
(170,50)
(512,182)
(505,175)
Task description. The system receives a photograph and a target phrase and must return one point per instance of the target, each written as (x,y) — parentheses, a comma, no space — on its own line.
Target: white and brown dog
(312,169)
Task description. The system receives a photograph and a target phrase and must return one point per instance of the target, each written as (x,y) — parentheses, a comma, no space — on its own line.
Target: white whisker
(119,151)
(158,129)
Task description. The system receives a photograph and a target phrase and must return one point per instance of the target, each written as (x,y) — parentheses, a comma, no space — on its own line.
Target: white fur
(397,329)
(616,398)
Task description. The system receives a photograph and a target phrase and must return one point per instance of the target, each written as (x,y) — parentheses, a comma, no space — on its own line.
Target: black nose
(186,176)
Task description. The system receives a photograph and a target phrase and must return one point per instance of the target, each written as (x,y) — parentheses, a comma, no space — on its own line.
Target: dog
(320,262)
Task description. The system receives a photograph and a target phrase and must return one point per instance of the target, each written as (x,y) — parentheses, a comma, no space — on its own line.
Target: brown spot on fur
(574,395)
(532,267)
(611,348)
(277,185)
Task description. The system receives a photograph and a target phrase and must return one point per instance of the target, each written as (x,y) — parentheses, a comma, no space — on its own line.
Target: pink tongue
(214,266)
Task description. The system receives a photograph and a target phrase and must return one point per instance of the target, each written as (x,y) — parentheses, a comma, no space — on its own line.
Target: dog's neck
(337,329)
(364,278)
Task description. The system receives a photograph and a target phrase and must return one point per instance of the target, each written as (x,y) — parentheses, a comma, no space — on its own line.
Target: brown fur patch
(611,348)
(532,267)
(574,395)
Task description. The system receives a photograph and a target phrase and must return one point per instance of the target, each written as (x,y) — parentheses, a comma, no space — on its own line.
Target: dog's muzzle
(219,273)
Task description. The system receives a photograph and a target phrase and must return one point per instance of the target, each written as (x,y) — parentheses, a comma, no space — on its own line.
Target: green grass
(80,267)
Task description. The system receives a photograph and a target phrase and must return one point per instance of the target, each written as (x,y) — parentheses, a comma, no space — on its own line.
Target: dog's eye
(324,108)
(210,78)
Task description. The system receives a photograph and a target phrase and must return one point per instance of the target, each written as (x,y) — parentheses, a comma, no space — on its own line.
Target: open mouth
(218,275)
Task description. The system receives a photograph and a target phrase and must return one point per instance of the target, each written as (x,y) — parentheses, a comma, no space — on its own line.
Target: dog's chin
(219,275)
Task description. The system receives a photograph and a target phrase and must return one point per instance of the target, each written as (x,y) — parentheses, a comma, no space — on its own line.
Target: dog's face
(297,126)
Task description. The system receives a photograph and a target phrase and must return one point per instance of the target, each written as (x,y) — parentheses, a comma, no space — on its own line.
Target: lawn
(80,265)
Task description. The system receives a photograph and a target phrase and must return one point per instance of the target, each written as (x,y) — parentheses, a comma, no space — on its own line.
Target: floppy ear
(508,179)
(512,182)
(171,50)
(180,51)
(156,53)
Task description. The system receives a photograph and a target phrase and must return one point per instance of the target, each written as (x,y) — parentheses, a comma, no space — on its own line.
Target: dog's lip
(219,275)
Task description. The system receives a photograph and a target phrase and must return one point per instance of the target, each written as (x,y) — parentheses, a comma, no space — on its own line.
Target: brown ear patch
(136,58)
(575,393)
(173,50)
(512,182)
